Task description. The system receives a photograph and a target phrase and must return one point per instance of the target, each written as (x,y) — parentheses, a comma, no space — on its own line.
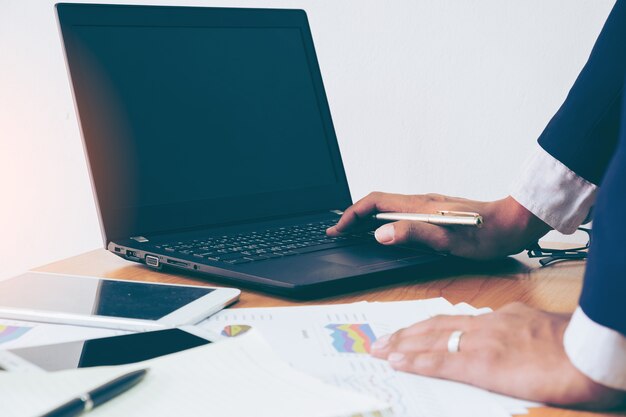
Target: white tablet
(106,351)
(108,303)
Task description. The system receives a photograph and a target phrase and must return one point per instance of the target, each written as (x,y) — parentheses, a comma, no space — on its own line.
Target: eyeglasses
(550,255)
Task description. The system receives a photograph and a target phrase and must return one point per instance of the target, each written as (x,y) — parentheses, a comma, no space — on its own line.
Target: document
(330,342)
(239,377)
(333,343)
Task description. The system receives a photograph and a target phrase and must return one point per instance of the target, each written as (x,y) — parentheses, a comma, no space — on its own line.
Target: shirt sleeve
(597,351)
(553,192)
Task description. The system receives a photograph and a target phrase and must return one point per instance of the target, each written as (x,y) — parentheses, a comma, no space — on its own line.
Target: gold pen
(441,218)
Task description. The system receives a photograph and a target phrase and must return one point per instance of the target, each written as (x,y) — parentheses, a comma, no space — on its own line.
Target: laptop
(211,147)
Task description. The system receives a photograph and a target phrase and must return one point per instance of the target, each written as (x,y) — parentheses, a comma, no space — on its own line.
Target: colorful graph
(233,330)
(8,333)
(352,338)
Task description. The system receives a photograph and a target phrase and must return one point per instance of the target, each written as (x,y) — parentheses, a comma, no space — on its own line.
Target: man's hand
(508,227)
(516,351)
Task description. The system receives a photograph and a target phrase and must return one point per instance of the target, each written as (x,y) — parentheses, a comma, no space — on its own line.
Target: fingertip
(385,233)
(381,343)
(396,358)
(332,231)
(398,361)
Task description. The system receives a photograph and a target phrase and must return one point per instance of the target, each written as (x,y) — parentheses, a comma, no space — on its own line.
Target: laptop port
(152,260)
(177,263)
(131,253)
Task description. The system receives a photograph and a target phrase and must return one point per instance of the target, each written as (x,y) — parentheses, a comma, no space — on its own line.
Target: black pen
(87,401)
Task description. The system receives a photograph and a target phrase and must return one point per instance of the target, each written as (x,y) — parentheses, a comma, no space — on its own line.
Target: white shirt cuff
(553,192)
(596,351)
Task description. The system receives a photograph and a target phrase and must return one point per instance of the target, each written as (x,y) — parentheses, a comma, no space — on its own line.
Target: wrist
(515,224)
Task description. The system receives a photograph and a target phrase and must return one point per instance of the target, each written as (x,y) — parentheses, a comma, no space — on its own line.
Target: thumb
(405,232)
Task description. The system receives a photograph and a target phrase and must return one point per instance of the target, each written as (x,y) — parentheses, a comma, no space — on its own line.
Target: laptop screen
(206,117)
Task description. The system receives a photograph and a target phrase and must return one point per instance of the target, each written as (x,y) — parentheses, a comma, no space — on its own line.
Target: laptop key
(258,257)
(324,247)
(227,257)
(238,261)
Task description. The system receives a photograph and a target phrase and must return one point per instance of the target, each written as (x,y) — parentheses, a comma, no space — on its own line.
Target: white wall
(427,96)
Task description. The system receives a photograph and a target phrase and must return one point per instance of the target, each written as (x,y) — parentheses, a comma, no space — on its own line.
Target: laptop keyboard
(262,245)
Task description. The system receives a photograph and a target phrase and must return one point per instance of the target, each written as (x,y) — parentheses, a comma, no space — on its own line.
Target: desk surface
(555,288)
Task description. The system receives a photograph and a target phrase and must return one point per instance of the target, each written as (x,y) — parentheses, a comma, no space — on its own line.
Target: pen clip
(458,213)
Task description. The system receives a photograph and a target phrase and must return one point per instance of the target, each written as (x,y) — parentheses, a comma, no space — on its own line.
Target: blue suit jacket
(588,134)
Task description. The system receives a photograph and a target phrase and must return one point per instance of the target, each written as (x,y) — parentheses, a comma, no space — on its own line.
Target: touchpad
(368,255)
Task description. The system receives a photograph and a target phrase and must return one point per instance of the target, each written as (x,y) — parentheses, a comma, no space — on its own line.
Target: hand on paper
(516,350)
(508,226)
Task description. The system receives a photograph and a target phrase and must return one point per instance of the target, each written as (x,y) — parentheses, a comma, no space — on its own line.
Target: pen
(88,400)
(441,218)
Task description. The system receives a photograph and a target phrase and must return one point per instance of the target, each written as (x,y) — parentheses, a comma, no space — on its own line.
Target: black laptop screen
(189,125)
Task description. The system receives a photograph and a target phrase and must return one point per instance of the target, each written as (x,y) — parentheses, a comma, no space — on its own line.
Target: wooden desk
(555,288)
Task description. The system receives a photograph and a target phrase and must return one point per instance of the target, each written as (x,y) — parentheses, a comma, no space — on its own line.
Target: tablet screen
(92,296)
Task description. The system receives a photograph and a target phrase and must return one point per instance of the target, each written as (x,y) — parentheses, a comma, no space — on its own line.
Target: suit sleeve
(604,292)
(595,339)
(584,136)
(560,180)
(583,133)
(579,152)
